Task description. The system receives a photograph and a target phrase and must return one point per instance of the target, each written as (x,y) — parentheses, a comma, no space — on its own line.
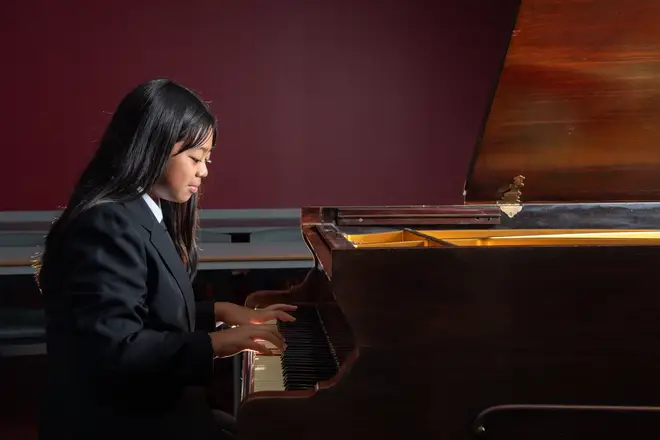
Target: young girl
(128,347)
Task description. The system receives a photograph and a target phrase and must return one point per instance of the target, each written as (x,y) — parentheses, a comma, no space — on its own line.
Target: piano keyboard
(317,345)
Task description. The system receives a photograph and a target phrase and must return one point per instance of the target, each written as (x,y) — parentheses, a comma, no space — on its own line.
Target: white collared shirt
(155,207)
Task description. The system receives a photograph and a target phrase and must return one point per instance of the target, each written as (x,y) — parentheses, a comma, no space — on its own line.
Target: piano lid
(576,110)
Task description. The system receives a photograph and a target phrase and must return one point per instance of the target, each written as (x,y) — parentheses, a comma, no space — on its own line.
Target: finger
(258,330)
(275,339)
(273,331)
(259,348)
(274,315)
(283,316)
(272,348)
(285,307)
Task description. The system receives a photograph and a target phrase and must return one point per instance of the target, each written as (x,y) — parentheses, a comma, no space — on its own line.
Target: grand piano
(532,311)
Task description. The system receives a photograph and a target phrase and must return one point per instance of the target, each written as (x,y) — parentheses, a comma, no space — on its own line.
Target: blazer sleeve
(205,316)
(106,293)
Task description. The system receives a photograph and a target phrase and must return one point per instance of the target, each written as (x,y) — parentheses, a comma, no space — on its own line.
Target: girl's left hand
(233,314)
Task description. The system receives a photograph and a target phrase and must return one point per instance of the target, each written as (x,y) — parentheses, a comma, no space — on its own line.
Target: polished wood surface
(539,338)
(495,342)
(401,215)
(315,288)
(445,333)
(577,105)
(559,422)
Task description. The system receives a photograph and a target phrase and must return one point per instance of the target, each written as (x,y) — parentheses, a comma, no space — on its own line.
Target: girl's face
(184,173)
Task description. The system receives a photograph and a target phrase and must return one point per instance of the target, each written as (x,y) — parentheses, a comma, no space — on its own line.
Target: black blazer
(126,342)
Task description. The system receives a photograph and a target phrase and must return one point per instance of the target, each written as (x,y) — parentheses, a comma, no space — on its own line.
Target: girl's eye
(200,160)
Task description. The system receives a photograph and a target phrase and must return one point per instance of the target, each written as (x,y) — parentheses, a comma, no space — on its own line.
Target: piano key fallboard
(318,343)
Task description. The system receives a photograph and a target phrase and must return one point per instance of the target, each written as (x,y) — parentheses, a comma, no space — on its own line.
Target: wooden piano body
(532,311)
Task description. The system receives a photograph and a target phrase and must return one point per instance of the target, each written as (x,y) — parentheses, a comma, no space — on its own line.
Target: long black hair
(133,154)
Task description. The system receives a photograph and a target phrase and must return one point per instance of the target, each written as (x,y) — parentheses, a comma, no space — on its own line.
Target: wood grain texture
(466,343)
(443,334)
(577,106)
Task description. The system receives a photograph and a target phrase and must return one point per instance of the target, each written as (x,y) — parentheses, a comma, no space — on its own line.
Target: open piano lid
(576,110)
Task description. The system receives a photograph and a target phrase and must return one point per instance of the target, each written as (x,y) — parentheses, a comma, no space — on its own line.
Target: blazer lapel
(162,241)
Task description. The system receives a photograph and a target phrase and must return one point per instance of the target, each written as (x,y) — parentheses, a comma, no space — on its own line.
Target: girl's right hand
(237,339)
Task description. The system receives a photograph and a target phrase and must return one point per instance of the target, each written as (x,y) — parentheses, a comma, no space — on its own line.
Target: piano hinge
(510,203)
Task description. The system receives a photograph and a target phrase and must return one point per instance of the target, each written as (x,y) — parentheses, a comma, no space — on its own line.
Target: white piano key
(267,371)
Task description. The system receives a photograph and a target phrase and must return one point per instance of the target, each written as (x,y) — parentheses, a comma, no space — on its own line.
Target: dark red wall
(319,102)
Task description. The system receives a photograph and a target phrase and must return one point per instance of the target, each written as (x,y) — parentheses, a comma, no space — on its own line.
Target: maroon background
(320,102)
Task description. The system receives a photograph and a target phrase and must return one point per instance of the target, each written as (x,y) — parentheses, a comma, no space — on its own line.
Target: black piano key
(317,344)
(308,359)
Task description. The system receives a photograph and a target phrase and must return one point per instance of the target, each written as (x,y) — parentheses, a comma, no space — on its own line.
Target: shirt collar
(155,207)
